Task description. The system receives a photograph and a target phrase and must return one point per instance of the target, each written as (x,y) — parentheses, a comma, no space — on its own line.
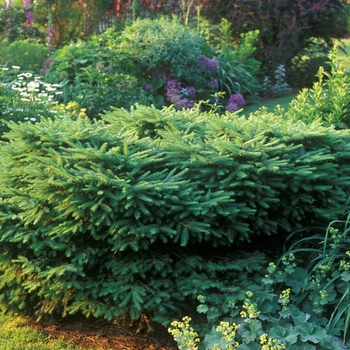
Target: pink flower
(26,3)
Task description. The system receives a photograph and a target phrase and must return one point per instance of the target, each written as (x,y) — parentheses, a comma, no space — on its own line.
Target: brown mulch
(102,334)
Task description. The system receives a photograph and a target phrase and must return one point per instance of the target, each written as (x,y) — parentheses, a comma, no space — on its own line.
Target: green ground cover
(16,334)
(344,56)
(283,102)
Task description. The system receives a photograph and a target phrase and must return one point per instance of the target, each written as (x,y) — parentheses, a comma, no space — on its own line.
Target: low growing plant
(293,306)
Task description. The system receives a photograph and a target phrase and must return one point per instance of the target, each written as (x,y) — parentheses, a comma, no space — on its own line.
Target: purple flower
(51,32)
(190,91)
(47,63)
(235,102)
(178,96)
(173,91)
(213,83)
(29,19)
(208,63)
(184,103)
(149,86)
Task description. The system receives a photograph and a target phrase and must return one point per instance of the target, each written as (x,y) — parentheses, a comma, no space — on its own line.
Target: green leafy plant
(287,310)
(90,76)
(28,55)
(327,262)
(238,71)
(286,29)
(328,99)
(280,87)
(163,49)
(13,25)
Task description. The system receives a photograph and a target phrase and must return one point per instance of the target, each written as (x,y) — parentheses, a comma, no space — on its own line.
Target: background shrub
(328,99)
(13,25)
(90,75)
(157,62)
(29,56)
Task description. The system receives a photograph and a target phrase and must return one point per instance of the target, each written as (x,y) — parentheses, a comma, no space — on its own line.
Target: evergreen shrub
(141,212)
(28,55)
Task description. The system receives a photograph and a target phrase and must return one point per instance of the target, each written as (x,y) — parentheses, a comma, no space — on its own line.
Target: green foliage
(291,308)
(90,76)
(13,25)
(122,67)
(117,68)
(287,29)
(123,216)
(71,20)
(163,49)
(328,99)
(25,54)
(238,71)
(328,266)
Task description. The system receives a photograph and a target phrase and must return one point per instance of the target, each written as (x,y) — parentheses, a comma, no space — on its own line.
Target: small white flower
(16,67)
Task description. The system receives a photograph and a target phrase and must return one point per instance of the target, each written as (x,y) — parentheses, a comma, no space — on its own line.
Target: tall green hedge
(115,217)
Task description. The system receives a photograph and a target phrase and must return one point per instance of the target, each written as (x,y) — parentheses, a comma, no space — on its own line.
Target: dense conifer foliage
(115,217)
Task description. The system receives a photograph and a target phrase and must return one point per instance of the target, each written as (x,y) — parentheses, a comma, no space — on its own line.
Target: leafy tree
(70,19)
(13,25)
(288,28)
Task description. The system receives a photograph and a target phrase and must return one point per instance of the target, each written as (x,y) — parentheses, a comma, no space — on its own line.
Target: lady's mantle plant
(289,309)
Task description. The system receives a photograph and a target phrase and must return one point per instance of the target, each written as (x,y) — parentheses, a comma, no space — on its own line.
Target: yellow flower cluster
(184,334)
(270,343)
(344,265)
(251,308)
(284,299)
(72,108)
(228,332)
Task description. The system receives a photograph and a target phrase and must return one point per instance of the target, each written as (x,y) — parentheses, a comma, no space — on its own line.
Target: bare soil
(101,334)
